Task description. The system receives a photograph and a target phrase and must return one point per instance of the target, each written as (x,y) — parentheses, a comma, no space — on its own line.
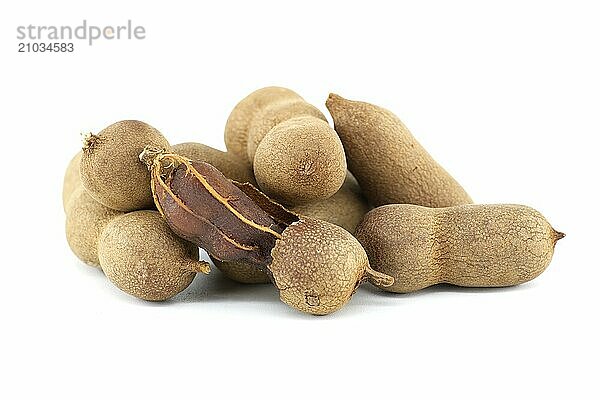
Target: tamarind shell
(233,222)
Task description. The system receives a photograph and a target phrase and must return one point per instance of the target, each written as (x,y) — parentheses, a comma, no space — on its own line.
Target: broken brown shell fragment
(204,207)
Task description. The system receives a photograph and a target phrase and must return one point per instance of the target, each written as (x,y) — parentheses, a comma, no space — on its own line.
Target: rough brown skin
(142,257)
(86,218)
(346,208)
(241,272)
(468,245)
(317,266)
(236,129)
(71,180)
(388,162)
(110,169)
(300,160)
(275,113)
(228,163)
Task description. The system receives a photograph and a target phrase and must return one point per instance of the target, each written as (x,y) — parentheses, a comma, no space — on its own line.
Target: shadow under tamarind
(216,287)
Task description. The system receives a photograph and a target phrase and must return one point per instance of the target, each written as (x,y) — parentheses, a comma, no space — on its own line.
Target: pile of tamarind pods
(313,209)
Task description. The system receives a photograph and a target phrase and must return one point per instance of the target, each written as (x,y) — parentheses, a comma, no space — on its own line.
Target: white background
(505,96)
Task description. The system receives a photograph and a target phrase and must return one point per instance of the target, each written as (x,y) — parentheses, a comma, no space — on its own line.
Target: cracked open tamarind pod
(470,245)
(238,170)
(316,266)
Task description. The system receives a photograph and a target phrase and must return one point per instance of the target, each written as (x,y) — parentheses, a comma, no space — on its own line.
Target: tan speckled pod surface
(144,258)
(299,161)
(346,208)
(71,180)
(241,272)
(469,245)
(276,113)
(317,266)
(86,218)
(228,163)
(110,167)
(388,162)
(236,128)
